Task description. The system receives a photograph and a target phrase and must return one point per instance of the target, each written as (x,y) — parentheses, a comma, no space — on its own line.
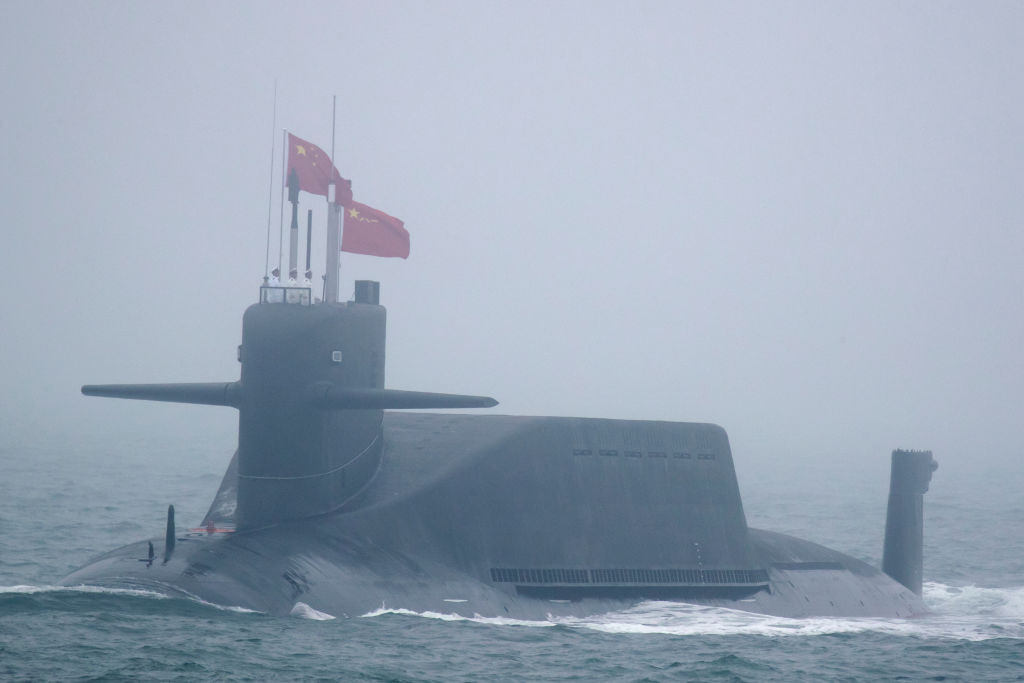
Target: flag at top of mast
(374,233)
(315,170)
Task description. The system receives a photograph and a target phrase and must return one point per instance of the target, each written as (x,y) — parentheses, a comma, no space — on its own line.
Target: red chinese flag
(315,170)
(372,232)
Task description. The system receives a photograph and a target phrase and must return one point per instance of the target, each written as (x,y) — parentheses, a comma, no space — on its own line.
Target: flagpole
(333,266)
(280,225)
(270,189)
(337,238)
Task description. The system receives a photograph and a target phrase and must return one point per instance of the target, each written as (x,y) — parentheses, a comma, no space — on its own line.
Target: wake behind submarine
(337,500)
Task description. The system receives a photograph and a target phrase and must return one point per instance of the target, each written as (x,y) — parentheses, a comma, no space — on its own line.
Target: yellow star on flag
(354,213)
(300,150)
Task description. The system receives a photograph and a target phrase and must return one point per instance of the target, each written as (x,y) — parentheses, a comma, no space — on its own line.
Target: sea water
(62,503)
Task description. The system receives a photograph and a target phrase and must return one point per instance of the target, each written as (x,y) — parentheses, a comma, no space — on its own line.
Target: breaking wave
(28,598)
(304,611)
(964,613)
(441,616)
(958,612)
(975,600)
(32,590)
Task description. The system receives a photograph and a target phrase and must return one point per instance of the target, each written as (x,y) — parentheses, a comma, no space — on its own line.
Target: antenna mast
(293,246)
(332,274)
(270,191)
(280,226)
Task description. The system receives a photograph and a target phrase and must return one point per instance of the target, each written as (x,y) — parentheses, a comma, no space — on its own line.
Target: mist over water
(796,220)
(799,221)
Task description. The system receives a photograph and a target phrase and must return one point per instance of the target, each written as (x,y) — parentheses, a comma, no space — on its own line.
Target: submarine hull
(521,517)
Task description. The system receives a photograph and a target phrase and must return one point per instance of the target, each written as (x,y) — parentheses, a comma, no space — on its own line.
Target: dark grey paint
(345,507)
(903,554)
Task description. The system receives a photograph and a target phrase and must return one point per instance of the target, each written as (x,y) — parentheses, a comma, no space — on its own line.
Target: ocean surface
(63,501)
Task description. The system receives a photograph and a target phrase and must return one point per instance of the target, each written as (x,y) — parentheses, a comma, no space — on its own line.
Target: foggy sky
(801,221)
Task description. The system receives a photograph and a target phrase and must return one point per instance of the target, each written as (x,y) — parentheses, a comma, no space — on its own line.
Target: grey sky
(801,221)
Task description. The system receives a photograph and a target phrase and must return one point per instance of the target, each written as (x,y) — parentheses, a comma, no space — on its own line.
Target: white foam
(670,618)
(974,600)
(495,621)
(409,613)
(959,613)
(225,608)
(304,611)
(135,592)
(28,590)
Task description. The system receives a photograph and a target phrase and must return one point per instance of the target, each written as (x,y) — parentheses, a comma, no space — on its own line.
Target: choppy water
(62,504)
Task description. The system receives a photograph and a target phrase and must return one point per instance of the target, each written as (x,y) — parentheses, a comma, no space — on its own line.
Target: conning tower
(310,402)
(295,458)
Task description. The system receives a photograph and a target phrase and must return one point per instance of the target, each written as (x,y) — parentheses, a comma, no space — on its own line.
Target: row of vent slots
(646,576)
(639,454)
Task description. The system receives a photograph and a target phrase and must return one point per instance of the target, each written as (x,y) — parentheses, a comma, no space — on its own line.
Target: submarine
(340,499)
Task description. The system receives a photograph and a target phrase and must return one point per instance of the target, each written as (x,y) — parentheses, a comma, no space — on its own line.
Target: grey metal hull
(522,517)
